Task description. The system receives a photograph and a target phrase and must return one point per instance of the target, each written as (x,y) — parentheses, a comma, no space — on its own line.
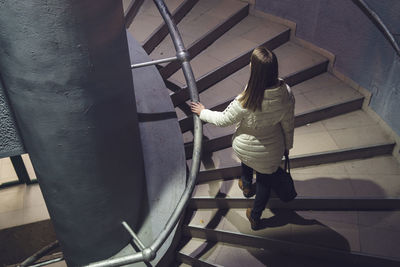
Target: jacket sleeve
(231,115)
(288,122)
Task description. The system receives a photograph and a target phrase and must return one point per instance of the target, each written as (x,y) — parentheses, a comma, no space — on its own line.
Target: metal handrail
(149,253)
(378,23)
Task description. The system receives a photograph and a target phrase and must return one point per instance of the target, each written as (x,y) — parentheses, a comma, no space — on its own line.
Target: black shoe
(246,190)
(255,224)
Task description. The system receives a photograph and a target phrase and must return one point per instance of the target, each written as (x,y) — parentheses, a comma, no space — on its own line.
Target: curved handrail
(149,253)
(378,23)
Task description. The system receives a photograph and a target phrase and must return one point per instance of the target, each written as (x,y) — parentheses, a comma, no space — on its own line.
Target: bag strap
(287,162)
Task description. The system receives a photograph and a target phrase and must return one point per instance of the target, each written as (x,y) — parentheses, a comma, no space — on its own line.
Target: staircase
(346,177)
(332,130)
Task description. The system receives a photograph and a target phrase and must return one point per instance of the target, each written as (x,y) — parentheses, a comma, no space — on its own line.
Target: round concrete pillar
(66,69)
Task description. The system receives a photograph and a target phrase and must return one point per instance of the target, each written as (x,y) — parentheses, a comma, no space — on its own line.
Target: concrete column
(65,66)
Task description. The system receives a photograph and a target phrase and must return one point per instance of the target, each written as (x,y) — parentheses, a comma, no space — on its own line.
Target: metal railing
(378,23)
(149,253)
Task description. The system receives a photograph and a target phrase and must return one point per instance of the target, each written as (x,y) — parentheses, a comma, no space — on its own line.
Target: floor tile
(226,89)
(242,76)
(260,33)
(359,136)
(34,214)
(376,185)
(353,119)
(225,6)
(331,95)
(293,58)
(201,65)
(389,220)
(328,234)
(315,127)
(303,105)
(318,82)
(348,217)
(325,186)
(209,218)
(380,242)
(12,198)
(337,169)
(235,256)
(11,218)
(7,172)
(202,249)
(376,165)
(311,143)
(33,196)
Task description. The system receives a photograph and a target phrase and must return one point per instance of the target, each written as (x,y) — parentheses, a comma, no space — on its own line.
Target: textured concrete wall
(362,53)
(66,68)
(10,141)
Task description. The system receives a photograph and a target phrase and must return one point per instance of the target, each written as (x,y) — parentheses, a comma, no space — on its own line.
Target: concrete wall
(10,141)
(362,53)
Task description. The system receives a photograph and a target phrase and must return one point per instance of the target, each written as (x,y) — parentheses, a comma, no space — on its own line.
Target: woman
(264,118)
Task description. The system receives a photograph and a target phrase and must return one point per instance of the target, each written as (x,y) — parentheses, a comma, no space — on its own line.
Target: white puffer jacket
(261,136)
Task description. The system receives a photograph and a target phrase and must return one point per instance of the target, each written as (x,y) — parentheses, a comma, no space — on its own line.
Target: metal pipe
(198,133)
(43,251)
(44,263)
(154,62)
(378,23)
(137,257)
(134,236)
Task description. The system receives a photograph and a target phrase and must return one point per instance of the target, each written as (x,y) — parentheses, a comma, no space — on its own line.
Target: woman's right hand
(196,107)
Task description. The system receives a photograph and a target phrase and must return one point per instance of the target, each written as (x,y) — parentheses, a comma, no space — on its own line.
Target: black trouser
(263,188)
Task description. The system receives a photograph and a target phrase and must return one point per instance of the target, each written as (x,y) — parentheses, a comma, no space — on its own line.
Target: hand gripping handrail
(149,253)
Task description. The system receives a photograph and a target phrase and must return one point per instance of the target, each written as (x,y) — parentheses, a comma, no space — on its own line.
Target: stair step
(321,97)
(302,203)
(219,70)
(340,134)
(200,252)
(224,164)
(131,8)
(306,76)
(217,138)
(326,235)
(148,27)
(324,93)
(239,40)
(373,178)
(199,45)
(200,22)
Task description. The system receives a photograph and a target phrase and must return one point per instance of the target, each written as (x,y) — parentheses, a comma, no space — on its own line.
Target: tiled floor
(20,204)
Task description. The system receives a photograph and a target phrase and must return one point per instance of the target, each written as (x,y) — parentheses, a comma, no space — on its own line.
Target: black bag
(283,184)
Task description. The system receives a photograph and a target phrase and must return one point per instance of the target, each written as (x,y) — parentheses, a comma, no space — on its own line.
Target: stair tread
(148,19)
(342,230)
(202,18)
(354,129)
(374,177)
(225,254)
(307,100)
(233,43)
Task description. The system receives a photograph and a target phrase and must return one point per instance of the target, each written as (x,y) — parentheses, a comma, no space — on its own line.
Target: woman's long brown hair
(263,74)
